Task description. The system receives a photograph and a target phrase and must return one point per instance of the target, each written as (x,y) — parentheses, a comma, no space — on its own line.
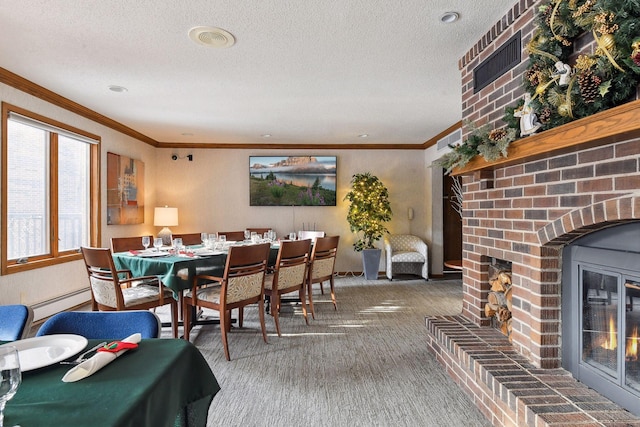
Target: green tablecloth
(175,272)
(153,386)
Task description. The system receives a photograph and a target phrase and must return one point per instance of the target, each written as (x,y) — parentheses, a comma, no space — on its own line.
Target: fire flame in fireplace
(631,353)
(611,343)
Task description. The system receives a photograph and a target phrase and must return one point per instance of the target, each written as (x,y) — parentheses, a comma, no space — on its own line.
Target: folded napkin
(97,362)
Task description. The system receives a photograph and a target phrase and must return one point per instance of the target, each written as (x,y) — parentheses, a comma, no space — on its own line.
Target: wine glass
(157,243)
(204,237)
(10,376)
(146,241)
(247,235)
(177,245)
(292,236)
(213,238)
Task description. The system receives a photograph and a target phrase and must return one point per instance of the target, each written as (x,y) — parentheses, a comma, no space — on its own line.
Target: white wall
(212,194)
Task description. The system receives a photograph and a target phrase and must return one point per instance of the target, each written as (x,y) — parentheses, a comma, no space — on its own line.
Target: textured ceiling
(305,72)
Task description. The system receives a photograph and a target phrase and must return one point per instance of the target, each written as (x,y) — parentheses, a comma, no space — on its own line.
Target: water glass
(146,241)
(213,238)
(292,236)
(221,241)
(10,376)
(204,237)
(177,244)
(247,235)
(157,243)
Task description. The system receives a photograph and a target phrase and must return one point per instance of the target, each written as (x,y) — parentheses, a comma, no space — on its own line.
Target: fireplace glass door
(609,329)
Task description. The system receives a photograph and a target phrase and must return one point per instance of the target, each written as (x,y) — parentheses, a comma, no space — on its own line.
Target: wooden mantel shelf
(605,127)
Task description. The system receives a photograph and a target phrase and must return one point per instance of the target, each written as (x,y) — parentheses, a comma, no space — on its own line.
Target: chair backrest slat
(123,244)
(323,258)
(189,238)
(291,264)
(232,236)
(244,272)
(103,278)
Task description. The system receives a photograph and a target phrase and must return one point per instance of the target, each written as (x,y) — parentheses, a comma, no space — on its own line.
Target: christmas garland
(564,88)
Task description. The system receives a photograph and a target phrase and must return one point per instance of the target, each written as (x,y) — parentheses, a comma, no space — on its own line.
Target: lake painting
(292,181)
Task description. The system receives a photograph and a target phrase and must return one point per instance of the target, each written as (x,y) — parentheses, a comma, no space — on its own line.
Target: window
(50,190)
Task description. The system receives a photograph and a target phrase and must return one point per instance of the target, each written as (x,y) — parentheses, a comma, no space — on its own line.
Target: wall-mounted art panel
(125,190)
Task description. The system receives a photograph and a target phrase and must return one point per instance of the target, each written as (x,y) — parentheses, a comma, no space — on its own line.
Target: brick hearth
(508,388)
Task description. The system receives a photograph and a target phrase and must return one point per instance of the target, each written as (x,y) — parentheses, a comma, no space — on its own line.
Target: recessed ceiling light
(119,89)
(266,135)
(450,17)
(212,37)
(364,135)
(186,134)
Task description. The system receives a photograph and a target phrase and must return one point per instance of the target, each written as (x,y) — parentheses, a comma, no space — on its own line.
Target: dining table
(163,382)
(177,271)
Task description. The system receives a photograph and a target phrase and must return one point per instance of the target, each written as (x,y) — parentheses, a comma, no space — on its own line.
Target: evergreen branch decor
(560,86)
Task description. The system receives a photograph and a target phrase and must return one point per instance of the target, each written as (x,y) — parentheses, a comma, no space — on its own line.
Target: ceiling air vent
(502,60)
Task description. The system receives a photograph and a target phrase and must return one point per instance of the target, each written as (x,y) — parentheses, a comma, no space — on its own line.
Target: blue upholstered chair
(109,325)
(15,322)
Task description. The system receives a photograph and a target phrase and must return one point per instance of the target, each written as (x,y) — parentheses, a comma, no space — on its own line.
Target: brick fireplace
(554,188)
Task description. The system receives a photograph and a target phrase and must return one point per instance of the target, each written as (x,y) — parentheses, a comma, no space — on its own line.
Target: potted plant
(369,211)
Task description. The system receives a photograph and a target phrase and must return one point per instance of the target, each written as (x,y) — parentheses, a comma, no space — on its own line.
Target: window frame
(54,256)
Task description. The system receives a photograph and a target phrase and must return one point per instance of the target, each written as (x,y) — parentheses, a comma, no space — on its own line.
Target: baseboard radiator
(48,308)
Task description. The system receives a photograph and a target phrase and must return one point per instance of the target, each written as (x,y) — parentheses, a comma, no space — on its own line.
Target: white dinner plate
(208,253)
(38,352)
(151,254)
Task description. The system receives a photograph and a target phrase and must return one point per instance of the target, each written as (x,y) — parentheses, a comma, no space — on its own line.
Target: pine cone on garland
(589,84)
(545,115)
(534,74)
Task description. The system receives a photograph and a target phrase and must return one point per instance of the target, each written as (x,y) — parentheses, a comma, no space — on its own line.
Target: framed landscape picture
(292,181)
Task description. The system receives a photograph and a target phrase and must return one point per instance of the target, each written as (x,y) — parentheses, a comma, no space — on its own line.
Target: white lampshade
(165,217)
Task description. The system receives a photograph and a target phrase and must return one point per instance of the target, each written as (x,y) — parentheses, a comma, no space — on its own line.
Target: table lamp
(165,217)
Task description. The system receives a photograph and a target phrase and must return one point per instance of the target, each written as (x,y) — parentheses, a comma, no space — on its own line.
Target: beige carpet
(363,365)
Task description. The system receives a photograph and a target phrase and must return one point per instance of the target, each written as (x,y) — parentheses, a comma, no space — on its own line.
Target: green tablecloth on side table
(161,383)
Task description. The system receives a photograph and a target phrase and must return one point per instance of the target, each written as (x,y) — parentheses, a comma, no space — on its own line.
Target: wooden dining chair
(110,292)
(232,236)
(123,244)
(289,275)
(321,267)
(189,239)
(241,284)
